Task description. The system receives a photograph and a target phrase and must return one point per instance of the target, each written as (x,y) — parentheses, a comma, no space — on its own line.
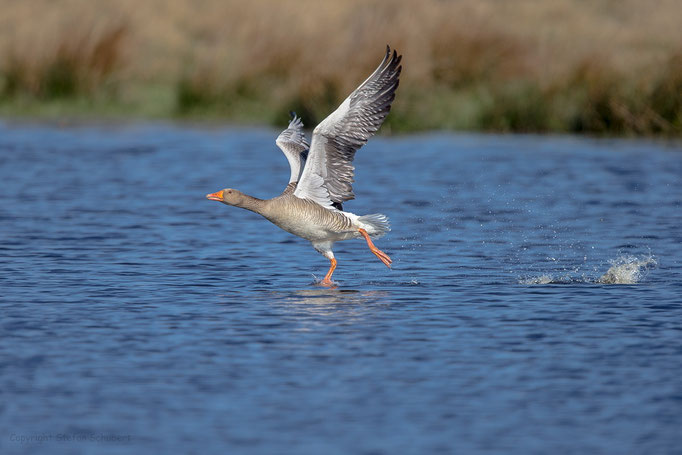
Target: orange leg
(383,257)
(328,277)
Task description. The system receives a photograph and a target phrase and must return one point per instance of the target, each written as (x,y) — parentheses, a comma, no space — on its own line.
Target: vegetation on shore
(525,66)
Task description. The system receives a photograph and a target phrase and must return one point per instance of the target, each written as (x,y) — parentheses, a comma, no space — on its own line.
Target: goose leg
(325,248)
(328,277)
(383,257)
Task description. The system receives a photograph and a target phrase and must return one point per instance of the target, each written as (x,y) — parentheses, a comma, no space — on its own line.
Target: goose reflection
(334,301)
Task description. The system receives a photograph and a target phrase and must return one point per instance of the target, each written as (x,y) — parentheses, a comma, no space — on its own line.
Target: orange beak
(217,196)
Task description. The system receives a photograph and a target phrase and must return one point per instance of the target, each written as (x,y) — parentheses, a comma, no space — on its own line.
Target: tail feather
(377,224)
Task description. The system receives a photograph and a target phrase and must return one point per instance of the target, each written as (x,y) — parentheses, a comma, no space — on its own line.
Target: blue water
(138,317)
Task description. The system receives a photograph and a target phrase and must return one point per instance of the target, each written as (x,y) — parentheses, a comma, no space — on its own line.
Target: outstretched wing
(328,174)
(293,143)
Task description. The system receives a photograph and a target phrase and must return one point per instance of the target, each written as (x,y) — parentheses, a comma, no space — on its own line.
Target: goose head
(228,196)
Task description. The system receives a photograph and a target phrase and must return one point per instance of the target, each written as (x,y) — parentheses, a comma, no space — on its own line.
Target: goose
(311,205)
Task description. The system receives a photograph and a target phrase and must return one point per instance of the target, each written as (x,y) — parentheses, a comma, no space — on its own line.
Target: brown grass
(81,62)
(525,65)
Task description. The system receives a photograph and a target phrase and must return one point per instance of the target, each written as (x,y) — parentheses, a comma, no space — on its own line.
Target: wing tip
(393,64)
(295,121)
(395,52)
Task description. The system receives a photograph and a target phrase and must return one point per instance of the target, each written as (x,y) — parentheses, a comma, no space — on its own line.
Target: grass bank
(602,67)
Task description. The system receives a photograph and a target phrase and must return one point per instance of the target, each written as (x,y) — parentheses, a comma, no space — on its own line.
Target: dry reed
(81,63)
(525,65)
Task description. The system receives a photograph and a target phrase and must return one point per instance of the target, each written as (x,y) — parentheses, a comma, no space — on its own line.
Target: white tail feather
(377,224)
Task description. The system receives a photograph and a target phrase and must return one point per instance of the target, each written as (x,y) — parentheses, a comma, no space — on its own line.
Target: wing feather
(293,143)
(328,174)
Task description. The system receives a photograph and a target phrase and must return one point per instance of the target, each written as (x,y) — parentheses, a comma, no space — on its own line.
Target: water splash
(626,269)
(542,279)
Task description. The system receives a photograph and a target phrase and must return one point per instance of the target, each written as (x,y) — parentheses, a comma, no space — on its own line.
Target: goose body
(311,204)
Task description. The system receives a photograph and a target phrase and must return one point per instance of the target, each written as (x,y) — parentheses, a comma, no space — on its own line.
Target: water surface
(138,317)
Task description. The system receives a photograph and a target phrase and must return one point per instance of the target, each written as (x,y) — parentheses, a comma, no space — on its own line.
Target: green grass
(591,99)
